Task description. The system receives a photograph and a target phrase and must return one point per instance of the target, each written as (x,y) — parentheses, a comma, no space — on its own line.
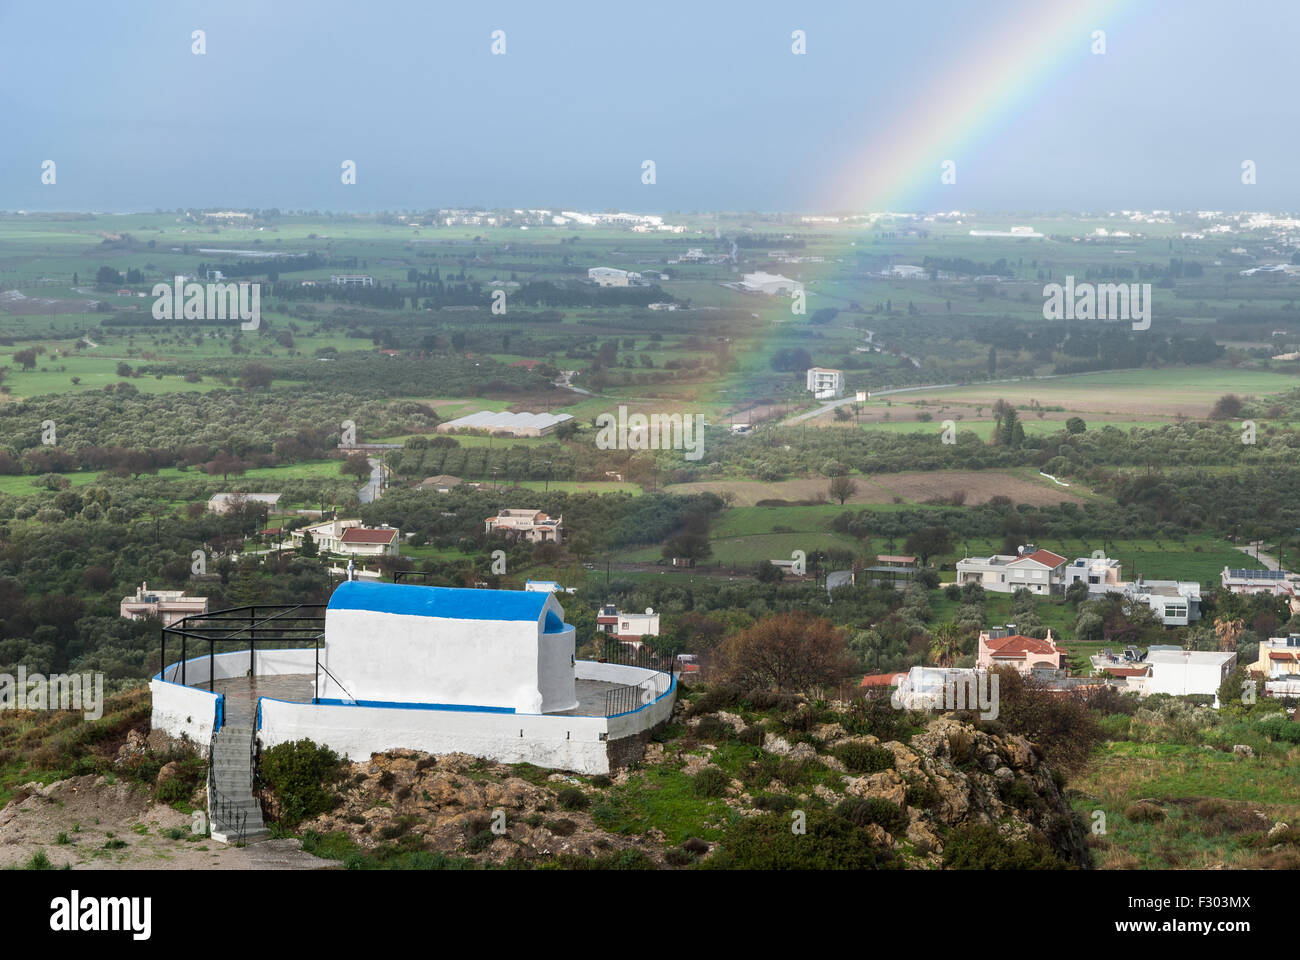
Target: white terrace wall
(187,711)
(563,743)
(547,740)
(556,742)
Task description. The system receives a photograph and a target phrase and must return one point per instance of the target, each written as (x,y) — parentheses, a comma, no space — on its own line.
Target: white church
(491,673)
(399,644)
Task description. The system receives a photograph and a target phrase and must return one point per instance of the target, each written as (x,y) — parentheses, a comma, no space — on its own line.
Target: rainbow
(953,115)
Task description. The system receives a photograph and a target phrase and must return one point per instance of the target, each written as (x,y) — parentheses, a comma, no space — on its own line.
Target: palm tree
(1228,632)
(945,644)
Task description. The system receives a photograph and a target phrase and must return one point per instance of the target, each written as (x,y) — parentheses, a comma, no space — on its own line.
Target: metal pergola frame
(281,622)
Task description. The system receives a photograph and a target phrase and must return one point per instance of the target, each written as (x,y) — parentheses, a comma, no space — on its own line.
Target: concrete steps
(237,815)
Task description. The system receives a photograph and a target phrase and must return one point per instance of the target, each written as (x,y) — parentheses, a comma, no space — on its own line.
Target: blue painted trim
(221,712)
(453,603)
(393,705)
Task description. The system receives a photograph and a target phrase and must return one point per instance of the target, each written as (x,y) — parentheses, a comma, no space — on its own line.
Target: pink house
(998,648)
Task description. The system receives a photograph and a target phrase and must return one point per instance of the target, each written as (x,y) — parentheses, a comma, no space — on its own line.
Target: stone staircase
(234,813)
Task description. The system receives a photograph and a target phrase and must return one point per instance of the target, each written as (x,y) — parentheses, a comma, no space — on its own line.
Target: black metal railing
(319,667)
(221,809)
(273,625)
(629,697)
(626,655)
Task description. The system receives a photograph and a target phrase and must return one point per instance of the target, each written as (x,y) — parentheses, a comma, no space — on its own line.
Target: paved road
(373,490)
(1263,559)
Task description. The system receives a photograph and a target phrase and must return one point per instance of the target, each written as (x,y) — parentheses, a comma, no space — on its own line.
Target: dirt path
(90,823)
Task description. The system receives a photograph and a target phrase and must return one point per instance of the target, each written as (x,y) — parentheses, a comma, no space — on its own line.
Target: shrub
(1018,793)
(39,861)
(1278,727)
(751,735)
(981,847)
(571,798)
(873,715)
(861,811)
(766,842)
(1218,818)
(622,860)
(711,728)
(677,857)
(776,802)
(710,782)
(301,775)
(861,757)
(923,795)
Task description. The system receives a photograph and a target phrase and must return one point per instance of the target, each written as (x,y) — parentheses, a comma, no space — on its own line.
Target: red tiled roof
(1279,655)
(882,679)
(1045,557)
(1018,646)
(360,535)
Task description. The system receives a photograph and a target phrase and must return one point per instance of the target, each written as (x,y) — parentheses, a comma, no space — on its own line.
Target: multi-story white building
(167,605)
(1101,574)
(352,280)
(1278,657)
(824,382)
(1276,582)
(1176,602)
(627,627)
(1038,571)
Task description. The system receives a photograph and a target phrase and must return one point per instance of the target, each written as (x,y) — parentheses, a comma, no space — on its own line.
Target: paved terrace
(242,692)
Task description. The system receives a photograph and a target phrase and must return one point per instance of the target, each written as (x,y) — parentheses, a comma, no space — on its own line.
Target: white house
(825,382)
(769,283)
(1176,602)
(1038,571)
(531,525)
(1183,672)
(627,627)
(350,538)
(1276,582)
(167,605)
(1101,574)
(1278,657)
(392,644)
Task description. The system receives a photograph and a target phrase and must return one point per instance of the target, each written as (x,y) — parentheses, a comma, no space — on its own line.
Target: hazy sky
(710,91)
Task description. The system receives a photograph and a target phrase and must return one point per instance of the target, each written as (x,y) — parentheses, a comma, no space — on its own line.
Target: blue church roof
(456,603)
